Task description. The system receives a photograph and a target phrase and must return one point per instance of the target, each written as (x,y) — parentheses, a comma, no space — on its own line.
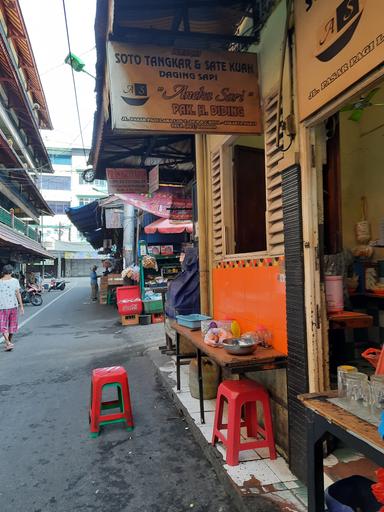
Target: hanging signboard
(337,43)
(176,90)
(153,180)
(127,181)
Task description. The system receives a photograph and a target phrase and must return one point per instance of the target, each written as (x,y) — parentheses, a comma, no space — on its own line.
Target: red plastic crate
(157,318)
(128,300)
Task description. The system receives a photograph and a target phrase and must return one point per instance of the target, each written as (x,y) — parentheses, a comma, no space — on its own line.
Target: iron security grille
(297,373)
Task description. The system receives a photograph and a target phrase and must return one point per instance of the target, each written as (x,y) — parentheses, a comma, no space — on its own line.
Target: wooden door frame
(316,318)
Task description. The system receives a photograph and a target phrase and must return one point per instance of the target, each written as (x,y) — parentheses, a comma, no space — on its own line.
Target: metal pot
(239,346)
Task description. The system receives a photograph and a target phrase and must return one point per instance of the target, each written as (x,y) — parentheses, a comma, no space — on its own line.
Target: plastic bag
(215,336)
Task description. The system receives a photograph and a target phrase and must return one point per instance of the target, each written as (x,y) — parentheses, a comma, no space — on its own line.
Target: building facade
(64,189)
(267,242)
(23,156)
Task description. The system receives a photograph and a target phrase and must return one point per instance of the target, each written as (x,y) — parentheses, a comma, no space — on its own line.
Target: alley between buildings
(48,461)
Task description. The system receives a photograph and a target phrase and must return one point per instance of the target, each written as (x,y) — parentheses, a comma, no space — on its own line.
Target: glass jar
(355,384)
(342,371)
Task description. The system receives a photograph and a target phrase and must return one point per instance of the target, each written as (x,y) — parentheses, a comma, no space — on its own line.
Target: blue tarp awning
(88,220)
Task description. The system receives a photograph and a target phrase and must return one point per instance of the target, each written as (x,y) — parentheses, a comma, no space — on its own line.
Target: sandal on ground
(8,347)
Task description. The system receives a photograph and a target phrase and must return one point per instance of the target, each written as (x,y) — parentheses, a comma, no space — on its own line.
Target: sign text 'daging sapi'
(169,89)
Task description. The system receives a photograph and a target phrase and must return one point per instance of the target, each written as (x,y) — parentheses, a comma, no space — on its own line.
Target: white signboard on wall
(167,89)
(113,218)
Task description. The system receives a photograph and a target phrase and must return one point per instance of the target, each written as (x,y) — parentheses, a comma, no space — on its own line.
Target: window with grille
(55,182)
(238,198)
(86,200)
(217,211)
(274,164)
(59,207)
(101,184)
(60,158)
(246,181)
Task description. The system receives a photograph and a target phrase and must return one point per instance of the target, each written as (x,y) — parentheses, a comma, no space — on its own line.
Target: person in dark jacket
(94,286)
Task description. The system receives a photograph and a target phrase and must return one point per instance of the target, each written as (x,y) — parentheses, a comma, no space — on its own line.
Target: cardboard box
(166,250)
(114,280)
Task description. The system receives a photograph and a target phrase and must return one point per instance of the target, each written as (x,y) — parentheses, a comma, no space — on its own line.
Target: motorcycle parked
(31,294)
(56,284)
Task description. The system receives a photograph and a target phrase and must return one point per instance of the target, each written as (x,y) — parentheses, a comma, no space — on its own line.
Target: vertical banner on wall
(168,89)
(337,43)
(154,179)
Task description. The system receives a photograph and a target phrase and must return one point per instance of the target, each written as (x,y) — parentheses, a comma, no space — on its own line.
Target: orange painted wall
(252,295)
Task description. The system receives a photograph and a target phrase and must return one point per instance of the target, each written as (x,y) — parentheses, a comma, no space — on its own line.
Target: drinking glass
(355,383)
(377,382)
(342,371)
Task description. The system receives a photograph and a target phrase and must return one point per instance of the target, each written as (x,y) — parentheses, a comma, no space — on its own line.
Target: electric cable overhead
(73,80)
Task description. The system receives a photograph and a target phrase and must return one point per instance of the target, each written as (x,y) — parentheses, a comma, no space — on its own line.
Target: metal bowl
(239,346)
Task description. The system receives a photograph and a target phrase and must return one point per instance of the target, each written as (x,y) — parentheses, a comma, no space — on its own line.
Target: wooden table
(324,417)
(261,359)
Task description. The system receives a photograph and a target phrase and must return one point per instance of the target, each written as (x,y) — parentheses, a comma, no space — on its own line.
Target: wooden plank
(344,419)
(277,227)
(350,320)
(276,216)
(275,194)
(275,158)
(277,239)
(275,205)
(276,250)
(275,182)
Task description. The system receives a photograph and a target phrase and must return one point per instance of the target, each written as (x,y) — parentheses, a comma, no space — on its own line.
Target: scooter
(56,284)
(31,294)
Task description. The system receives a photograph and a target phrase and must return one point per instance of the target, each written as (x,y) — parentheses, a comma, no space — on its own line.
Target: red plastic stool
(239,393)
(117,377)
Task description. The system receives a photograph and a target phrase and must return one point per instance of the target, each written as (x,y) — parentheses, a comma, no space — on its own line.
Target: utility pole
(128,234)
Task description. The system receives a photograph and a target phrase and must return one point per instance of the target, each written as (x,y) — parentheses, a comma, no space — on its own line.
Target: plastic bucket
(334,293)
(210,378)
(350,494)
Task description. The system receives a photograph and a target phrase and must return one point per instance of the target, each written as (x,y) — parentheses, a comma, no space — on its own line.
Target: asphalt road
(48,462)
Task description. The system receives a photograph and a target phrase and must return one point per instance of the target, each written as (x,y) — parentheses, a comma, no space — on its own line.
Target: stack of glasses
(362,396)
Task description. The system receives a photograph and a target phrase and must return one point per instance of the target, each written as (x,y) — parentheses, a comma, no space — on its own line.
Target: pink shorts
(8,320)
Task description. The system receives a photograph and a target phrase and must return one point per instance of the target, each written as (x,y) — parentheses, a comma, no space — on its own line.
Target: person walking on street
(94,285)
(9,299)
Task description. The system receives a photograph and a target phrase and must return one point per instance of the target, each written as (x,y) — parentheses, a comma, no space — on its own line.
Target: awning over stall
(162,204)
(13,241)
(88,220)
(166,226)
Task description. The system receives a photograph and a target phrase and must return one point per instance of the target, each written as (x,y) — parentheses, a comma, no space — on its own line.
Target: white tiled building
(63,189)
(66,188)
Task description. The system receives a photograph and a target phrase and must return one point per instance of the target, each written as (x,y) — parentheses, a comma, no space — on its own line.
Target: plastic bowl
(239,346)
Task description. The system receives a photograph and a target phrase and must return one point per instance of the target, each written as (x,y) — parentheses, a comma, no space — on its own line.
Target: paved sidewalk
(49,463)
